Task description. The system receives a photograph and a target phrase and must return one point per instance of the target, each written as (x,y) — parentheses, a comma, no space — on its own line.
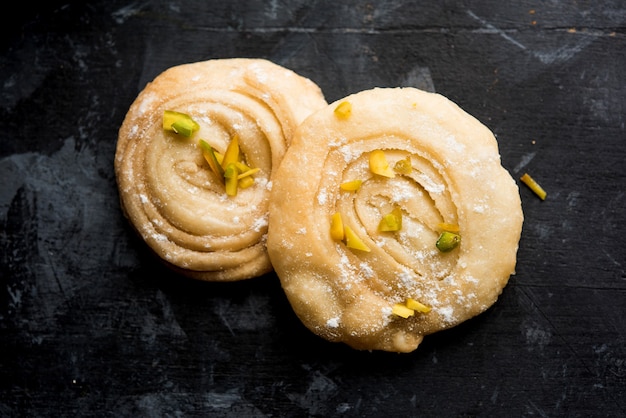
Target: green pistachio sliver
(448,241)
(180,123)
(209,155)
(183,127)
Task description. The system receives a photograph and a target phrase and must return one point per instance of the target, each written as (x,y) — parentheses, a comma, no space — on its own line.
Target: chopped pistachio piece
(180,123)
(245,182)
(336,227)
(231,181)
(243,167)
(343,110)
(448,241)
(402,311)
(391,222)
(353,240)
(183,127)
(379,165)
(444,226)
(417,306)
(351,186)
(534,186)
(210,156)
(231,155)
(248,172)
(403,166)
(233,173)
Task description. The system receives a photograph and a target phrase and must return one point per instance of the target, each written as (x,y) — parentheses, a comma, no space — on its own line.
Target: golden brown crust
(346,295)
(166,188)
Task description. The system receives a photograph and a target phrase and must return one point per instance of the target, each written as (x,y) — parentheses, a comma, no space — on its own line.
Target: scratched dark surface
(90,325)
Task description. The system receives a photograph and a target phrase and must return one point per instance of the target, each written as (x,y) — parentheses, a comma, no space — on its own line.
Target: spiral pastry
(392,218)
(167,187)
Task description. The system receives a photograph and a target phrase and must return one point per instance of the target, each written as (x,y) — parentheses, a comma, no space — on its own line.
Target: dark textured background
(91,325)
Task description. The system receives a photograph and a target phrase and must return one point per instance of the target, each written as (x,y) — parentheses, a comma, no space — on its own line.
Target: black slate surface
(91,325)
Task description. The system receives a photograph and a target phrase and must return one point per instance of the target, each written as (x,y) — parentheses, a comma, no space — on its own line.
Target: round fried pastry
(399,168)
(167,188)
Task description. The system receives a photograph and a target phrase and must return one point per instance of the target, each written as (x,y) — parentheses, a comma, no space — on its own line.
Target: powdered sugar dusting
(429,184)
(471,279)
(366,270)
(333,322)
(453,144)
(159,237)
(402,192)
(348,154)
(322,197)
(259,73)
(447,314)
(406,278)
(480,208)
(146,103)
(387,314)
(260,223)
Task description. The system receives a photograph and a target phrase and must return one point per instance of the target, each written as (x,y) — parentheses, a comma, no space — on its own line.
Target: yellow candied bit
(231,181)
(243,167)
(336,227)
(402,311)
(379,165)
(245,182)
(351,186)
(231,155)
(180,123)
(353,240)
(417,306)
(403,166)
(534,186)
(247,172)
(343,110)
(233,173)
(245,177)
(444,226)
(391,222)
(218,156)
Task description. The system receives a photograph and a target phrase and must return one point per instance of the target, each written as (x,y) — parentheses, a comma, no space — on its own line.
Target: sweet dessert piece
(195,160)
(392,218)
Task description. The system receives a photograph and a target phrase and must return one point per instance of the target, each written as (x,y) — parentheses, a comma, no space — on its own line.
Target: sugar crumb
(367,270)
(322,197)
(159,237)
(447,313)
(333,322)
(260,223)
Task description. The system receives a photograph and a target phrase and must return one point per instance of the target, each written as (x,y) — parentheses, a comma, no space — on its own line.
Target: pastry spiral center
(422,195)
